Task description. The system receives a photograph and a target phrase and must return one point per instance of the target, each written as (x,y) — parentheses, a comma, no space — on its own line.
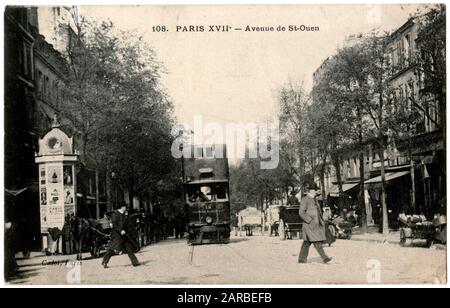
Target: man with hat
(313,226)
(119,238)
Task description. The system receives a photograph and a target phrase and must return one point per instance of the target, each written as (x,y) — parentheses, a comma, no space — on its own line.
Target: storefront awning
(334,191)
(388,177)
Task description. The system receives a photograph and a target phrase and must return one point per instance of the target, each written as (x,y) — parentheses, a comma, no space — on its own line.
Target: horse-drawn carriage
(290,222)
(100,236)
(90,235)
(86,235)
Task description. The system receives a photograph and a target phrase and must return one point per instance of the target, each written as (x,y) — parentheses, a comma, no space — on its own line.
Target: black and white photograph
(210,145)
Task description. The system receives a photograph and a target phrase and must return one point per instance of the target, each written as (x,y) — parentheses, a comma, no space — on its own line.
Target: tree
(331,119)
(252,186)
(114,99)
(377,68)
(293,117)
(341,91)
(431,58)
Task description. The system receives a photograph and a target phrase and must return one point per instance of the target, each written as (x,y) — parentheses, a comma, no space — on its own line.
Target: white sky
(234,76)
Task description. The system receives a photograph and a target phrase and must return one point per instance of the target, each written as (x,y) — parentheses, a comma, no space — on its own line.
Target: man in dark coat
(119,238)
(313,227)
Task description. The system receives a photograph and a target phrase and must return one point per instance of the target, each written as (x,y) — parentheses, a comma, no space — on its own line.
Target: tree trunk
(362,204)
(109,190)
(443,114)
(97,193)
(337,166)
(301,172)
(130,196)
(322,182)
(97,180)
(413,181)
(385,219)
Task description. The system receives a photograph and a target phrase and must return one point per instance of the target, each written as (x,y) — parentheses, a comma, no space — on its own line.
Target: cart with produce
(417,227)
(249,219)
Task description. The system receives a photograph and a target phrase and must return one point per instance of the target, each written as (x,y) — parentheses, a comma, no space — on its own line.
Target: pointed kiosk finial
(55,122)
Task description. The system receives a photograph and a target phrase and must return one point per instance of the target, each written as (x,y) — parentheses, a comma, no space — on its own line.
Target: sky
(234,76)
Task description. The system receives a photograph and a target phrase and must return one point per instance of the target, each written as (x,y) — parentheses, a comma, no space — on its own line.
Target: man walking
(313,227)
(119,238)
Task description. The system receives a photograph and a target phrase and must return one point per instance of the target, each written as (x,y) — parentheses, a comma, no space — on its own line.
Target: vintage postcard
(225,145)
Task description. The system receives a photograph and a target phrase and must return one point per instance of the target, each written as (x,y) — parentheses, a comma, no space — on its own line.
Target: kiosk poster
(55,196)
(69,190)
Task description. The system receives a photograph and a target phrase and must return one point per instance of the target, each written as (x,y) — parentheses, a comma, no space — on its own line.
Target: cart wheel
(332,230)
(281,230)
(404,240)
(402,237)
(349,235)
(95,252)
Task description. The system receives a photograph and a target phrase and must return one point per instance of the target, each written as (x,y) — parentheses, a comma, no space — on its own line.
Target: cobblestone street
(247,260)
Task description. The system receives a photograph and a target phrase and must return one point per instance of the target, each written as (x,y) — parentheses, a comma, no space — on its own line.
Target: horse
(81,231)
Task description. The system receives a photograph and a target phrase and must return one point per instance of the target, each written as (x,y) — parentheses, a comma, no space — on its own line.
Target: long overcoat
(118,225)
(313,223)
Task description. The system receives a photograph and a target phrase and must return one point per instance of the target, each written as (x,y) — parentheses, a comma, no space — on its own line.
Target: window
(25,60)
(394,56)
(207,193)
(433,117)
(221,193)
(407,48)
(54,92)
(39,82)
(209,153)
(399,53)
(46,87)
(198,152)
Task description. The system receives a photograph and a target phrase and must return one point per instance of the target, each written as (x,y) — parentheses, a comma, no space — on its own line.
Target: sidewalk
(373,235)
(393,237)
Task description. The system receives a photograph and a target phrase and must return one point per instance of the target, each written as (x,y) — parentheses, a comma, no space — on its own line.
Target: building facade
(414,161)
(35,73)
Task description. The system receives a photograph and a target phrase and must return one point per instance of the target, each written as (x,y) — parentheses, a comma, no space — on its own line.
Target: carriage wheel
(281,230)
(95,251)
(349,235)
(332,230)
(402,237)
(404,240)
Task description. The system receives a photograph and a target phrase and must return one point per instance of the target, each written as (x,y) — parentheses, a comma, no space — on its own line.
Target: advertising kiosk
(57,184)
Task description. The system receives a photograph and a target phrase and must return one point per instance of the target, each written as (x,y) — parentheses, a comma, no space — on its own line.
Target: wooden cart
(414,231)
(290,222)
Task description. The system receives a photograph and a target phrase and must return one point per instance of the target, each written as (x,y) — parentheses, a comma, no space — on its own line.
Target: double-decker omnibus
(206,194)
